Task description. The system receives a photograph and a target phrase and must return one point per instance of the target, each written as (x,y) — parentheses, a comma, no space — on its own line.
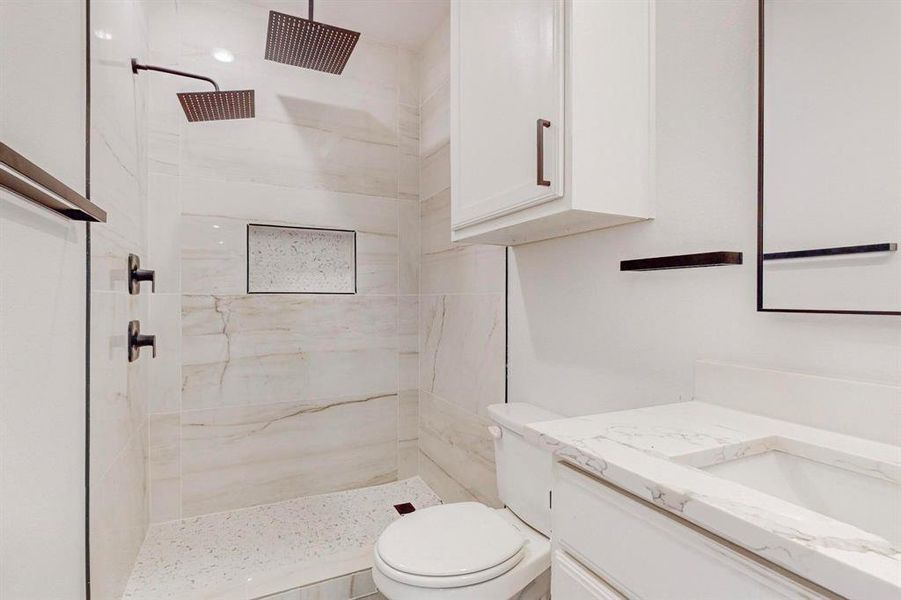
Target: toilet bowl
(469,550)
(456,551)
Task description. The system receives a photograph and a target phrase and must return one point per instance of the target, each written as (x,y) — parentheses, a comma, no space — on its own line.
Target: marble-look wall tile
(236,457)
(434,172)
(165,467)
(163,222)
(434,68)
(244,350)
(448,268)
(407,459)
(459,443)
(408,241)
(164,321)
(295,260)
(461,349)
(435,121)
(119,518)
(408,77)
(448,488)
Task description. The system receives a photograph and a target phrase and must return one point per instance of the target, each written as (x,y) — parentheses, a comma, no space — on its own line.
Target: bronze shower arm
(135,67)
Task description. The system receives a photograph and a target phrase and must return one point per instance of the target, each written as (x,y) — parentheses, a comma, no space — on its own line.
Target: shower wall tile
(407,458)
(435,120)
(242,456)
(290,259)
(408,240)
(325,152)
(251,201)
(462,313)
(434,68)
(448,268)
(164,321)
(290,155)
(165,467)
(461,349)
(459,443)
(434,172)
(245,350)
(163,223)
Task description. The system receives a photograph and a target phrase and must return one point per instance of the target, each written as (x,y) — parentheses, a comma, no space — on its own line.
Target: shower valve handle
(137,340)
(136,275)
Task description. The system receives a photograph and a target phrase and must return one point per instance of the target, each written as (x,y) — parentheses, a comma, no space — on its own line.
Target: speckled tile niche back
(258,551)
(300,260)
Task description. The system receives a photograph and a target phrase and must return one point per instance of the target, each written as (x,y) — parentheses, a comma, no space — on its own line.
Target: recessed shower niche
(301,260)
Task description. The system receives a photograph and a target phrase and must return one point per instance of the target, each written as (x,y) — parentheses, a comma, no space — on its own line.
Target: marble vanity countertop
(656,453)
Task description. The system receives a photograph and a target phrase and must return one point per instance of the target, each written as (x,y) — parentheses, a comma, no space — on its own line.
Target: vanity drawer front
(650,555)
(572,581)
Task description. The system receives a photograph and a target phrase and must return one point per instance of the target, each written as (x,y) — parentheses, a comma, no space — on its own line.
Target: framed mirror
(829,156)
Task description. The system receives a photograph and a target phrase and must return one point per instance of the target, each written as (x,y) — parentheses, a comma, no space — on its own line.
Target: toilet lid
(449,539)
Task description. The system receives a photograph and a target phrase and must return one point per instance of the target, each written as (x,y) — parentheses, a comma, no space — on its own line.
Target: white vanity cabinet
(551,117)
(608,544)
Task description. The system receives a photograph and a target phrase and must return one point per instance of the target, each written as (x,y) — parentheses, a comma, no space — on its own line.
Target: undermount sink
(866,502)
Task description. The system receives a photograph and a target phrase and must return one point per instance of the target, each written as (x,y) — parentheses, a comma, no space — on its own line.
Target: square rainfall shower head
(218,106)
(309,44)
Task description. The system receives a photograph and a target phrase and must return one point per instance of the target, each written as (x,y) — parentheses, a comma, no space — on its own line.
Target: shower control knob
(136,275)
(137,340)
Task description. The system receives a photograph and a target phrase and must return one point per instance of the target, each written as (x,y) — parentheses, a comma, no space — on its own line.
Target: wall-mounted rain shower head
(305,43)
(208,106)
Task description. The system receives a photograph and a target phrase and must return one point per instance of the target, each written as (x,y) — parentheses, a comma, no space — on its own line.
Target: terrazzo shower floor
(254,552)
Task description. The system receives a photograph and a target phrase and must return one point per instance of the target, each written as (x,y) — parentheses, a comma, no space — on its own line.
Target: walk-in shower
(305,43)
(208,106)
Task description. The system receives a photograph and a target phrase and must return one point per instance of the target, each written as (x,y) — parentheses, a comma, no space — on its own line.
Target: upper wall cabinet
(551,117)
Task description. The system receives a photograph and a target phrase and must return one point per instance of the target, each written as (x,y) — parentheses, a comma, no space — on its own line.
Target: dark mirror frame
(760,96)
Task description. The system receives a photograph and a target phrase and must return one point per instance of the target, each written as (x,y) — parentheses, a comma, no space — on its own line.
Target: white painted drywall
(585,337)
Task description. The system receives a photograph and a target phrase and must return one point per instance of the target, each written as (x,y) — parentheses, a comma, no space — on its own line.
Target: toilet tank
(524,472)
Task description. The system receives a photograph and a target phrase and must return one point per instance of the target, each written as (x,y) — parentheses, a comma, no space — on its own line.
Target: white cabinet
(551,117)
(645,553)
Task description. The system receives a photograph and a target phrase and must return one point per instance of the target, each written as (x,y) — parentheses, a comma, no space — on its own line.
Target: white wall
(42,308)
(585,337)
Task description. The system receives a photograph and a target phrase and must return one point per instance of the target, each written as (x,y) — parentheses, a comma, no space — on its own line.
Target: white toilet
(468,550)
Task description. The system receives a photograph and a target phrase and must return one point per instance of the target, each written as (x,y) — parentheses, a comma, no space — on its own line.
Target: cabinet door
(507,76)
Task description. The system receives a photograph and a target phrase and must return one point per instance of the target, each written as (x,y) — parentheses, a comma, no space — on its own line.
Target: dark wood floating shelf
(28,180)
(841,250)
(682,261)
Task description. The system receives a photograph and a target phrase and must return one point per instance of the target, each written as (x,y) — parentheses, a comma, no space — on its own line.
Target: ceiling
(403,22)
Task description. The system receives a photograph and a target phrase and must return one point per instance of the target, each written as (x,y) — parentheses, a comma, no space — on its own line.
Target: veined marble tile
(408,415)
(118,518)
(408,63)
(449,489)
(238,457)
(449,268)
(408,324)
(263,151)
(459,443)
(240,350)
(214,257)
(119,389)
(407,458)
(408,246)
(377,264)
(408,176)
(461,349)
(163,223)
(434,172)
(408,127)
(435,120)
(289,259)
(303,541)
(164,467)
(434,68)
(280,205)
(164,321)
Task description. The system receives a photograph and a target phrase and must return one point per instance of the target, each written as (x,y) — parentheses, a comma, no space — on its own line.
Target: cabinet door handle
(542,123)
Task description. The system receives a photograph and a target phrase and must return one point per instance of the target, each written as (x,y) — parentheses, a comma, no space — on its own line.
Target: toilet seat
(448,546)
(447,581)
